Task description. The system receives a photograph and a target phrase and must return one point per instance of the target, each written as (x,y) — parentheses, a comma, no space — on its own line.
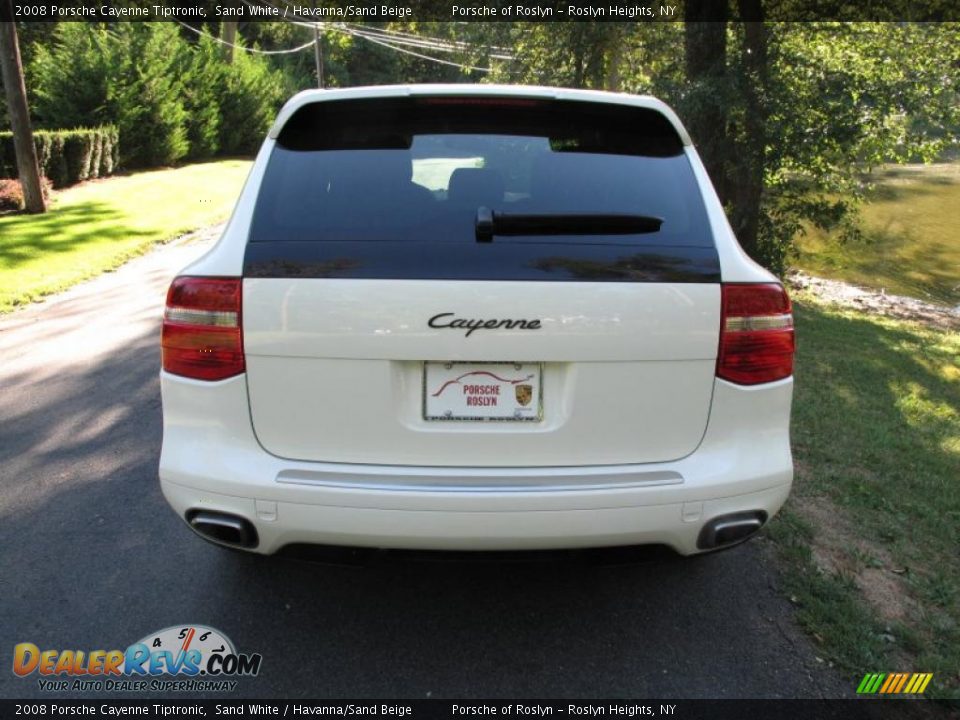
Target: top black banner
(327,11)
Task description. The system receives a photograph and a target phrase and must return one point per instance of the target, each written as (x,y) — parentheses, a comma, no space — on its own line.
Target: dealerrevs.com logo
(179,658)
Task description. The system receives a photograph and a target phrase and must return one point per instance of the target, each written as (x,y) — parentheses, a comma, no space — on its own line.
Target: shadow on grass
(852,378)
(24,238)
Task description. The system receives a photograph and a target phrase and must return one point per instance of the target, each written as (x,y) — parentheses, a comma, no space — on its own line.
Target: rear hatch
(480,282)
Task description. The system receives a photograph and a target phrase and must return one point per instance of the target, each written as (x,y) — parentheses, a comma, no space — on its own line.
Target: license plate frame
(515,380)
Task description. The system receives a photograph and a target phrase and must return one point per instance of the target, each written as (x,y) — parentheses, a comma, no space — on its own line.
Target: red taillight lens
(756,334)
(202,331)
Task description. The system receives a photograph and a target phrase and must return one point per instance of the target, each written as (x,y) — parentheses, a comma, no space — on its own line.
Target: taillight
(202,331)
(756,334)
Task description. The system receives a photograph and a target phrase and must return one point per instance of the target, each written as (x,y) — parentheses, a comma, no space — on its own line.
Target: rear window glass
(417,170)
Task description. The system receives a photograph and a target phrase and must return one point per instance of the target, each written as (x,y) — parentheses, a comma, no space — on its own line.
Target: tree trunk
(228,33)
(579,61)
(614,56)
(318,54)
(27,166)
(705,50)
(751,158)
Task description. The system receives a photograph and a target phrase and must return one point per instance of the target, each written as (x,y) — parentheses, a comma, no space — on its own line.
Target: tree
(789,117)
(72,76)
(228,33)
(707,94)
(838,100)
(575,54)
(203,75)
(249,96)
(149,98)
(16,93)
(746,178)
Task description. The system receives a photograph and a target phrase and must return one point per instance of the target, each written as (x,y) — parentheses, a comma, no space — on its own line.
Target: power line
(425,43)
(399,49)
(241,47)
(391,45)
(393,40)
(376,36)
(448,43)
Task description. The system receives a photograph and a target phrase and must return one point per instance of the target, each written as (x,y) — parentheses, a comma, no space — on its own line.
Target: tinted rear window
(412,170)
(392,188)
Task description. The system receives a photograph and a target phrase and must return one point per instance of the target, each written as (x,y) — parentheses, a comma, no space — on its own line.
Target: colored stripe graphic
(894,683)
(914,683)
(873,683)
(903,681)
(886,685)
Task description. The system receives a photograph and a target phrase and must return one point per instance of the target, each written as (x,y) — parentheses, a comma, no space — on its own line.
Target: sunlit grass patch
(98,225)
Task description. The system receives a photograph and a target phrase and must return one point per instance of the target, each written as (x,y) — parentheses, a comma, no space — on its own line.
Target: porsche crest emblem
(524,394)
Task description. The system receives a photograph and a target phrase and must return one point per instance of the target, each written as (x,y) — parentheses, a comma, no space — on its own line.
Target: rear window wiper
(490,223)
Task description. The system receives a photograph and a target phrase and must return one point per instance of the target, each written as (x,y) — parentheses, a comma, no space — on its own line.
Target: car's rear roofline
(308,97)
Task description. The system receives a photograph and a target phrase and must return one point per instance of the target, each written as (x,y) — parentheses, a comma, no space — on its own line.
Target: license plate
(482,391)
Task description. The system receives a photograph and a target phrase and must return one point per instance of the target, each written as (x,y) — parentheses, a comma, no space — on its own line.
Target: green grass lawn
(911,242)
(96,226)
(871,533)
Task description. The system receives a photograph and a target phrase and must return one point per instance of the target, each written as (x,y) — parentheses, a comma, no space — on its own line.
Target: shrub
(149,109)
(66,156)
(77,150)
(129,76)
(8,160)
(96,155)
(202,77)
(249,99)
(169,98)
(11,193)
(70,78)
(51,158)
(110,159)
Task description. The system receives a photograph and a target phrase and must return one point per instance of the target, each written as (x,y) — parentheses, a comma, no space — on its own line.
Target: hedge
(67,156)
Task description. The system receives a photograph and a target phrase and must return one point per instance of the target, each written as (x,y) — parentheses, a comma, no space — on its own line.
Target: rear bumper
(212,461)
(283,523)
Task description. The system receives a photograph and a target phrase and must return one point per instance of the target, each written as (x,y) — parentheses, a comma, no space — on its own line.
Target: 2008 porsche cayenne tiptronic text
(476,318)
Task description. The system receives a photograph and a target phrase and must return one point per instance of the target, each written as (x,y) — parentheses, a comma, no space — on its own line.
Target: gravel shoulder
(872,301)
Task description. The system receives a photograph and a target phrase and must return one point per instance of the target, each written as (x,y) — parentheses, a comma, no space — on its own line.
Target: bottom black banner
(867,709)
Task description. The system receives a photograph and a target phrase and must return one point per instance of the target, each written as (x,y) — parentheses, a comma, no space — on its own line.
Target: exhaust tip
(223,528)
(728,530)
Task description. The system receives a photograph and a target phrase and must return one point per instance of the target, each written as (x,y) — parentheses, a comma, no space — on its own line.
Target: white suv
(476,318)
